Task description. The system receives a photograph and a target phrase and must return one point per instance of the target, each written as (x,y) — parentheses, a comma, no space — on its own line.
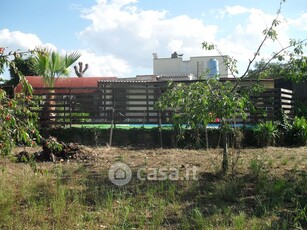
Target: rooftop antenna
(176,55)
(155,55)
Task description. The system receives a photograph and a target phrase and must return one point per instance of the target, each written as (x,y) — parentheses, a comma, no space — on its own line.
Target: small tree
(226,100)
(190,107)
(197,104)
(227,96)
(51,65)
(227,104)
(18,123)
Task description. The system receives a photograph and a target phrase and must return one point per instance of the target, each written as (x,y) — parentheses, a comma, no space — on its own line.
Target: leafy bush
(298,133)
(266,133)
(18,123)
(300,107)
(284,127)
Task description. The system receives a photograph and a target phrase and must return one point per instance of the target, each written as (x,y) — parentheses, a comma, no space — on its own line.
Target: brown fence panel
(134,103)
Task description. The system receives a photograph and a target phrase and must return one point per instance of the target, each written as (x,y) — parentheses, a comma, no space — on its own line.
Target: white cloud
(106,65)
(121,37)
(237,10)
(122,29)
(243,41)
(175,44)
(15,40)
(103,66)
(300,22)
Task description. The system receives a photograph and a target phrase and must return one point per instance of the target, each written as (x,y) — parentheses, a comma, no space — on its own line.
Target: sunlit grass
(75,196)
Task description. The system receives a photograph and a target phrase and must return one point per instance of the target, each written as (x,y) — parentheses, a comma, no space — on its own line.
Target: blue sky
(118,37)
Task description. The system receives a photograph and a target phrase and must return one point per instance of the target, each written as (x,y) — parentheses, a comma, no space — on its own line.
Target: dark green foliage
(281,133)
(18,123)
(147,137)
(262,70)
(25,66)
(297,135)
(295,69)
(266,133)
(190,105)
(300,108)
(284,126)
(132,137)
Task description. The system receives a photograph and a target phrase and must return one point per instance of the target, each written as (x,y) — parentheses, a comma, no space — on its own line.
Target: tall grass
(76,197)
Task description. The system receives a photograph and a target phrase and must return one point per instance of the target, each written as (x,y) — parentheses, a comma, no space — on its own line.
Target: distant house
(200,67)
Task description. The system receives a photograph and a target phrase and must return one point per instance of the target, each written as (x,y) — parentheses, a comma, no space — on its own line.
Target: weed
(119,158)
(239,221)
(285,161)
(256,167)
(228,190)
(6,205)
(299,215)
(270,163)
(198,219)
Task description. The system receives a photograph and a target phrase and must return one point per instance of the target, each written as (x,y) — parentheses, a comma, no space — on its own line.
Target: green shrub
(266,133)
(18,123)
(298,133)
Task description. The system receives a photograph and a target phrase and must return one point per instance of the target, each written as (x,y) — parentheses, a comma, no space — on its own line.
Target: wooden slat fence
(133,103)
(271,103)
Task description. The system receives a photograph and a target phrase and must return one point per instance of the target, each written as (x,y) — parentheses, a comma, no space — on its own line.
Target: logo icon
(120,174)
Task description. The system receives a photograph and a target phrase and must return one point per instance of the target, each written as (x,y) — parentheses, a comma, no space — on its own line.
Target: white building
(201,67)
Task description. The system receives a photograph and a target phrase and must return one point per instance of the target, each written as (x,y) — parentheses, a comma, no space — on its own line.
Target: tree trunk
(197,135)
(206,137)
(225,149)
(47,110)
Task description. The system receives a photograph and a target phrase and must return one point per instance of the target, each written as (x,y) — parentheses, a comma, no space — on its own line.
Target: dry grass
(265,188)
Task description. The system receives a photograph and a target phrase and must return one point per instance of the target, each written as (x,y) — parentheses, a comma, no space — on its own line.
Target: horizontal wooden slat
(136,103)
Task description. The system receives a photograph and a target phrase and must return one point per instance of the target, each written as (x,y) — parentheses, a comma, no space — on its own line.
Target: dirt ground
(278,160)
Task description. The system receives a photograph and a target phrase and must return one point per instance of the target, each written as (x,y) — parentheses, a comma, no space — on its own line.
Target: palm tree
(51,65)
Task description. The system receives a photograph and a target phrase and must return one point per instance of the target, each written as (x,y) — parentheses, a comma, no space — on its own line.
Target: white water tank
(213,67)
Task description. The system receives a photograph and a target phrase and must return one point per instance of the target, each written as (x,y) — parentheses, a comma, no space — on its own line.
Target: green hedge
(140,137)
(150,138)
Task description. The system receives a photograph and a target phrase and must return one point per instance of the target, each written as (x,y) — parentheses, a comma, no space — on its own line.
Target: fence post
(147,106)
(160,129)
(64,109)
(70,105)
(111,129)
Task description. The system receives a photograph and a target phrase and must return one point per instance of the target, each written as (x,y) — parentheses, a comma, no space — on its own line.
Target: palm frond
(71,58)
(51,65)
(40,63)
